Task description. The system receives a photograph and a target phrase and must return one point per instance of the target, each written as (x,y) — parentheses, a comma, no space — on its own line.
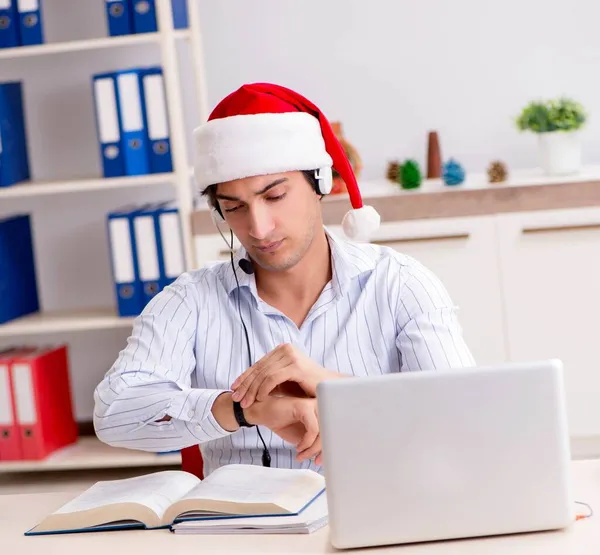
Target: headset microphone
(246,266)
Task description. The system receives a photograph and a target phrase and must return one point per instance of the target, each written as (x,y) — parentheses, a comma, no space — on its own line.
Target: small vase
(434,156)
(560,152)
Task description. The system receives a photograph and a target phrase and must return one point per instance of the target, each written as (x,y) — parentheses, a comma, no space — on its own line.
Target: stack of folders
(21,23)
(132,122)
(36,409)
(18,283)
(127,17)
(14,159)
(147,254)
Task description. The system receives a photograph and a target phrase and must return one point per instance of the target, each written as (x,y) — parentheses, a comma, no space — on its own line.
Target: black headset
(323,185)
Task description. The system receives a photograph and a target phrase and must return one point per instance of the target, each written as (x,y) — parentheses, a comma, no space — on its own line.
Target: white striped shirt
(381,312)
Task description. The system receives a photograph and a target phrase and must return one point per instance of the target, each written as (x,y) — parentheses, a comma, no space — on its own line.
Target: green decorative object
(561,114)
(410,175)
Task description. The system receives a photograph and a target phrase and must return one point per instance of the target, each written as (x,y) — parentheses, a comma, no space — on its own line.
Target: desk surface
(19,513)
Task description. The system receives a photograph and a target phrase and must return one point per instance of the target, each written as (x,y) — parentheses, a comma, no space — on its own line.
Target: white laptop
(446,454)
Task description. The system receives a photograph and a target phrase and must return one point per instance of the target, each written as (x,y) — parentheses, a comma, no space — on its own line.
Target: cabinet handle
(547,229)
(449,237)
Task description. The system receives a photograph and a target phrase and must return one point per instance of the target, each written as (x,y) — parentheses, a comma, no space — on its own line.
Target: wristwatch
(238,412)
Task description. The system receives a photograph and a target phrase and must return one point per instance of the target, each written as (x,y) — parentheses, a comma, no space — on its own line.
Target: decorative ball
(453,173)
(393,170)
(497,172)
(410,175)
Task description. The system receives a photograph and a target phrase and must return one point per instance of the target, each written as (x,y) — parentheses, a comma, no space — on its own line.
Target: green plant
(409,175)
(561,114)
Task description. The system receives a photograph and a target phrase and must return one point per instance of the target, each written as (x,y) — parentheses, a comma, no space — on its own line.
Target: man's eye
(232,209)
(278,197)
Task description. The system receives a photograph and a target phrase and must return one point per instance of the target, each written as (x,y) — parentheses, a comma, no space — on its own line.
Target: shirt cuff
(195,407)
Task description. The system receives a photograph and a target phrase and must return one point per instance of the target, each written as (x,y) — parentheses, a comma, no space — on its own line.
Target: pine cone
(393,171)
(497,172)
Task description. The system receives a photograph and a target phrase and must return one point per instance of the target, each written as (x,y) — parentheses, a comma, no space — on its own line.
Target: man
(314,306)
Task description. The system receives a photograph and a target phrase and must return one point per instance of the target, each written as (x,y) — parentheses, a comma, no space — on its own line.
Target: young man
(315,306)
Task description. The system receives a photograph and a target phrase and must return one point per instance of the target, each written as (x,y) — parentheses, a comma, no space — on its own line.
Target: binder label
(24,398)
(5,4)
(145,240)
(172,245)
(28,5)
(122,254)
(131,107)
(108,122)
(6,416)
(156,107)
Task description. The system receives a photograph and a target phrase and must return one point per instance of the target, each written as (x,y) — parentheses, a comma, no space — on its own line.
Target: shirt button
(191,413)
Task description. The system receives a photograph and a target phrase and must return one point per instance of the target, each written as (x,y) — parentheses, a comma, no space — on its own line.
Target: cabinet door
(462,252)
(212,248)
(551,272)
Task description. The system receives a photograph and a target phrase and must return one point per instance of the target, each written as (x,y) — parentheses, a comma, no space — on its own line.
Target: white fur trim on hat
(246,145)
(361,223)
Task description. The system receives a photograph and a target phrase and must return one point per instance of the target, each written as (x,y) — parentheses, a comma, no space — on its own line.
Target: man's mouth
(269,247)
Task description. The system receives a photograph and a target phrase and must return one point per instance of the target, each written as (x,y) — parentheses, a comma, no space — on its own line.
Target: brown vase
(355,162)
(434,156)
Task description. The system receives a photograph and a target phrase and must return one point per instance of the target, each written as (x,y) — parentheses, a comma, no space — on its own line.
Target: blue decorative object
(453,173)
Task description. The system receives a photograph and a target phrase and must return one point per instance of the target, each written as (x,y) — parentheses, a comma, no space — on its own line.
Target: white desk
(19,513)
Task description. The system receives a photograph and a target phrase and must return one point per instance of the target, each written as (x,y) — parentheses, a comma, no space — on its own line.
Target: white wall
(393,69)
(389,70)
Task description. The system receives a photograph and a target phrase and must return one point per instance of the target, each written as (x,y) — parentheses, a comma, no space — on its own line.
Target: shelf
(86,45)
(67,321)
(91,453)
(33,188)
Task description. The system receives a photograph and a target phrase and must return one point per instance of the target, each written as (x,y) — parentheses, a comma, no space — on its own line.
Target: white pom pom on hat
(263,128)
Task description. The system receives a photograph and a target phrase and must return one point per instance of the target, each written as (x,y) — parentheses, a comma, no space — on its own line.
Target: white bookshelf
(86,45)
(91,453)
(65,321)
(36,189)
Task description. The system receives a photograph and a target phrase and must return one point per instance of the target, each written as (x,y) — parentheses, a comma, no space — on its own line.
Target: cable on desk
(589,514)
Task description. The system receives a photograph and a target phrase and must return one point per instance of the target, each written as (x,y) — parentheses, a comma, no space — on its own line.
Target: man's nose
(261,222)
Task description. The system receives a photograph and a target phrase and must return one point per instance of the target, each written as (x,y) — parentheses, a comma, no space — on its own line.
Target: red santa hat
(262,129)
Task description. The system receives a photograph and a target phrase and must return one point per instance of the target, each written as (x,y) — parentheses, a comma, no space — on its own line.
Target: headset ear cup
(324,177)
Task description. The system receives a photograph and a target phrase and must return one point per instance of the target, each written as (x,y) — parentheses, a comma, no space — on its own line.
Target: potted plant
(557,123)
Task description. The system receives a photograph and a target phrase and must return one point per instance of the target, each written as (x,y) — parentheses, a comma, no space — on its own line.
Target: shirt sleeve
(430,336)
(152,378)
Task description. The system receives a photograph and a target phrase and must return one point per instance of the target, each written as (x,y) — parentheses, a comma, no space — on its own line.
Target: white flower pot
(560,152)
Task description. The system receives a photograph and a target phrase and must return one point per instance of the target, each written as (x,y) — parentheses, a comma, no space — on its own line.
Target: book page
(157,491)
(315,512)
(238,483)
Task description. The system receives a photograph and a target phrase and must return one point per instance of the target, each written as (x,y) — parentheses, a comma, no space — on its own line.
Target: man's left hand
(276,371)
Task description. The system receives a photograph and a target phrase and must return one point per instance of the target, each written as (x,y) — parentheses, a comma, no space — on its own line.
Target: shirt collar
(348,261)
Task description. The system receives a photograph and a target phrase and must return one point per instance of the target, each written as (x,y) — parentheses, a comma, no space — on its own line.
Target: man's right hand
(293,419)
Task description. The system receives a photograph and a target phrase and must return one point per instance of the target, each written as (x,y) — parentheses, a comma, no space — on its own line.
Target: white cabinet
(212,248)
(462,253)
(551,281)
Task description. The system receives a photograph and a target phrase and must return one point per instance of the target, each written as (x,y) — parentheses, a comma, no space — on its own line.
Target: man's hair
(211,191)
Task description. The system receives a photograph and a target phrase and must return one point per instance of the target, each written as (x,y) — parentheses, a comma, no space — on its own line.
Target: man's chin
(275,263)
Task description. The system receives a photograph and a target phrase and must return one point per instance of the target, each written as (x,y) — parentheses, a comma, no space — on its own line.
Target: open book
(313,518)
(161,499)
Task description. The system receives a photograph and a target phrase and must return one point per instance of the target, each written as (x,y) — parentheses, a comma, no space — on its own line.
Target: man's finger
(312,451)
(243,383)
(311,423)
(273,379)
(251,386)
(257,366)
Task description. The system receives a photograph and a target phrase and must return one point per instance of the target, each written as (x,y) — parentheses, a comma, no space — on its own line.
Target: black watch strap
(238,412)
